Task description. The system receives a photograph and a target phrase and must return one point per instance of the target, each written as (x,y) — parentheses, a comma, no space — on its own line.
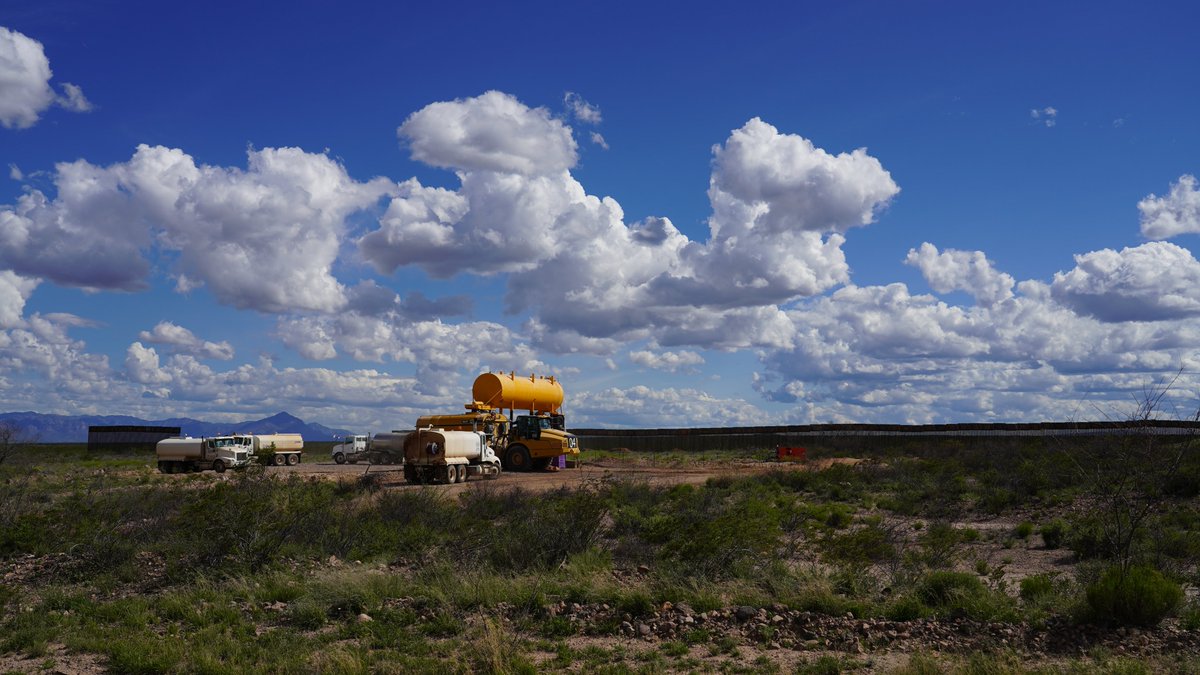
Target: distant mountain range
(74,428)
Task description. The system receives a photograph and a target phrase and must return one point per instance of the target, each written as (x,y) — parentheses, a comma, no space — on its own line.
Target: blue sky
(769,213)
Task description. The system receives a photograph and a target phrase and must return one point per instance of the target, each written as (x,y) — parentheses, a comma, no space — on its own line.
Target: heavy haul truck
(441,456)
(522,442)
(382,448)
(183,455)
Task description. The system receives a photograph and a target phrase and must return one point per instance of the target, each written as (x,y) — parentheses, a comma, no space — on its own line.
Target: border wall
(127,437)
(857,436)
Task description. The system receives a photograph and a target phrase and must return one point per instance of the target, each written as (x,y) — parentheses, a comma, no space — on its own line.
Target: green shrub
(906,608)
(1189,617)
(865,545)
(1054,533)
(944,588)
(636,603)
(1141,596)
(1023,530)
(941,544)
(1036,586)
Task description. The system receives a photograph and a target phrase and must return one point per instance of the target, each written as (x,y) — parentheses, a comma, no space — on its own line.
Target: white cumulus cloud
(666,360)
(1176,213)
(968,271)
(490,132)
(183,341)
(642,406)
(1153,282)
(262,238)
(14,291)
(25,91)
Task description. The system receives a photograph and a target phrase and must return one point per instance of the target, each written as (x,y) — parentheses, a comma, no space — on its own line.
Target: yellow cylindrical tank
(515,392)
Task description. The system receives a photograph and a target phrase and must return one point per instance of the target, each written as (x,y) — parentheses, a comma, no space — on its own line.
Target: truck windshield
(544,423)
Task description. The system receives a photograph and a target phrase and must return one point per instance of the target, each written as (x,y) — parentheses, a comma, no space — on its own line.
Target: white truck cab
(350,449)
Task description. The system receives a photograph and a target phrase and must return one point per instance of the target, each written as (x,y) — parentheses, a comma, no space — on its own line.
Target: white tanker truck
(382,448)
(277,449)
(436,455)
(183,455)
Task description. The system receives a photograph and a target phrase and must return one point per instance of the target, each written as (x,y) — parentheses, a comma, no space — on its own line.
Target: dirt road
(589,472)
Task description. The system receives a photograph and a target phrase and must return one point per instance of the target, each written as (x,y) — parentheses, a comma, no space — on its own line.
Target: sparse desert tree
(1130,478)
(11,440)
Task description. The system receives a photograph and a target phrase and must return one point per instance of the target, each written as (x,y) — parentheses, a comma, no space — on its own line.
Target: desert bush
(871,543)
(907,607)
(539,532)
(1023,530)
(1036,586)
(941,544)
(942,588)
(1189,617)
(1053,533)
(963,594)
(1140,596)
(711,532)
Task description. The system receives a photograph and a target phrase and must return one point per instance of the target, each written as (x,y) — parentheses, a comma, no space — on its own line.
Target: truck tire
(518,458)
(277,459)
(491,471)
(410,474)
(462,473)
(339,458)
(164,467)
(218,466)
(293,459)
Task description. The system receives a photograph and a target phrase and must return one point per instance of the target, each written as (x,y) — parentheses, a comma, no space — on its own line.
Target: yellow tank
(533,393)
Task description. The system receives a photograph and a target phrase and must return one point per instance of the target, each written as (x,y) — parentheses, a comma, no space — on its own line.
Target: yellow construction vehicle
(522,442)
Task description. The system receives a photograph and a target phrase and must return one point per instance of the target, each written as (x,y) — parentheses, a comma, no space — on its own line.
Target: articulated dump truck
(522,442)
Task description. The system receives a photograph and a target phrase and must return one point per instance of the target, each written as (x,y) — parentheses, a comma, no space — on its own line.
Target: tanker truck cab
(350,449)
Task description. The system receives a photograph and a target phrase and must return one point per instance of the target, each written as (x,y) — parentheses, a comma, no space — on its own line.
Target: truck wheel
(293,459)
(163,467)
(518,458)
(339,458)
(277,460)
(451,474)
(218,466)
(462,473)
(410,475)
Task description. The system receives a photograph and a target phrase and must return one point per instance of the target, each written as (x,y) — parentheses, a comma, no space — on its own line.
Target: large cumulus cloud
(1152,282)
(1045,351)
(262,238)
(25,91)
(780,206)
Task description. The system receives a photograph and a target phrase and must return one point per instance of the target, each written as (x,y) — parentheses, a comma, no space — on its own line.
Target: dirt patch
(56,660)
(634,469)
